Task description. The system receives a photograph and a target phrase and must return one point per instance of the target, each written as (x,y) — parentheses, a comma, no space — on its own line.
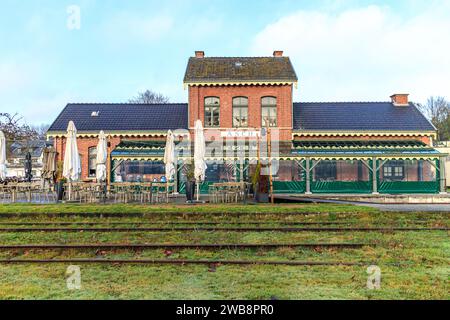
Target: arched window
(92,161)
(240,112)
(269,111)
(212,111)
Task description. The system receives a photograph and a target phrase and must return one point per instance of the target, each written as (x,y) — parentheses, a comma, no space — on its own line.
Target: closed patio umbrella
(169,156)
(72,163)
(49,162)
(102,155)
(2,156)
(199,155)
(28,167)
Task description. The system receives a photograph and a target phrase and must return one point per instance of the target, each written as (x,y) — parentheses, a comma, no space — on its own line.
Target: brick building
(353,147)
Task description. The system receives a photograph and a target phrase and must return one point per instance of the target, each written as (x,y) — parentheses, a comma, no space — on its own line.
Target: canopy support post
(443,185)
(175,178)
(374,176)
(308,177)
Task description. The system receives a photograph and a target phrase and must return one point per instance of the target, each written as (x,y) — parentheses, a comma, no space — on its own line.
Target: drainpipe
(374,176)
(443,187)
(308,177)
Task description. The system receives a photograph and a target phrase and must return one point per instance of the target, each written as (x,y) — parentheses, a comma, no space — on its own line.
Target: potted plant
(260,184)
(188,171)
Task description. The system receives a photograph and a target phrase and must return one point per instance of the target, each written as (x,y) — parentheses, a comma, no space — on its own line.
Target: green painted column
(308,177)
(175,179)
(443,185)
(374,176)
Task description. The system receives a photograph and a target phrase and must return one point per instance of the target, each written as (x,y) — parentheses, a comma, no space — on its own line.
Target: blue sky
(341,50)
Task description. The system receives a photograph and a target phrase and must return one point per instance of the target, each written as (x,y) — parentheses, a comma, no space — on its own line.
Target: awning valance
(342,150)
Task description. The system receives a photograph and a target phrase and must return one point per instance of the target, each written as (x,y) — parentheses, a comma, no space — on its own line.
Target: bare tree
(437,109)
(14,129)
(149,97)
(41,130)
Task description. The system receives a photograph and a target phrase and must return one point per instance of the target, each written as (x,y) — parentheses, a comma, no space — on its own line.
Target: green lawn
(204,208)
(414,265)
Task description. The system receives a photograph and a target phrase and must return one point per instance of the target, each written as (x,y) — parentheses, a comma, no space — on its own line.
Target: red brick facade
(283,94)
(85,143)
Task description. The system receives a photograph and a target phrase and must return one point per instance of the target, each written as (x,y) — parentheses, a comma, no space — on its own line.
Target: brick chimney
(278,53)
(400,99)
(199,54)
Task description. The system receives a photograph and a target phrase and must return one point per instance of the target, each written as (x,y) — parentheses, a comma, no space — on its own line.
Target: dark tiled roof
(224,69)
(123,117)
(20,149)
(373,116)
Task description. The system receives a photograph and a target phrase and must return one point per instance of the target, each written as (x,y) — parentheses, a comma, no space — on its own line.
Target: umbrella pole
(70,189)
(198,190)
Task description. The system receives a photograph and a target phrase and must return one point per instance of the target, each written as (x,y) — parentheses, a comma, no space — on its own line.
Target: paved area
(417,207)
(409,207)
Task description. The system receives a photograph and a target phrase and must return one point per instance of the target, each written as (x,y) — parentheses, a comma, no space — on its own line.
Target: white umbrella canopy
(2,156)
(102,157)
(72,163)
(199,154)
(169,156)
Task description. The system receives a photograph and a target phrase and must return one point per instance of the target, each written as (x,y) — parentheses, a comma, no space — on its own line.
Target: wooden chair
(146,192)
(5,193)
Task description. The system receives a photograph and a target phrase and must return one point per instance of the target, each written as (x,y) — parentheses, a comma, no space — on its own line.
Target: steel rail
(181,262)
(180,246)
(229,229)
(152,214)
(64,223)
(289,223)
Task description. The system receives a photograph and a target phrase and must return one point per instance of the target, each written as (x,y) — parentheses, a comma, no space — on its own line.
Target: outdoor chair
(22,190)
(5,193)
(146,193)
(213,193)
(160,193)
(134,191)
(48,193)
(75,189)
(120,192)
(86,192)
(35,190)
(232,193)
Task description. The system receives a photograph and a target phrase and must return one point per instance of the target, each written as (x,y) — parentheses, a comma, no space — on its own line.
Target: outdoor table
(226,189)
(166,187)
(135,190)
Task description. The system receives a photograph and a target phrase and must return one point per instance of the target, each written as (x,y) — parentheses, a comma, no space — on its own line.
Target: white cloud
(364,54)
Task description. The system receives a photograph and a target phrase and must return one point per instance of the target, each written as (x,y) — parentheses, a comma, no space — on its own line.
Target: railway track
(180,246)
(181,262)
(153,214)
(173,223)
(114,223)
(228,229)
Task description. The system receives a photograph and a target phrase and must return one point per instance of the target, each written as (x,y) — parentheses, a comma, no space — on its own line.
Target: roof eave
(240,82)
